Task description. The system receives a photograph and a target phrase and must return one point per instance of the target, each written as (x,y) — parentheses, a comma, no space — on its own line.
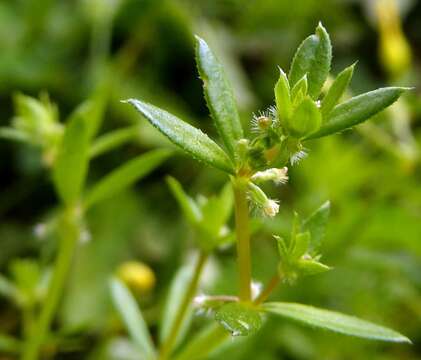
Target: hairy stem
(242,228)
(168,344)
(68,232)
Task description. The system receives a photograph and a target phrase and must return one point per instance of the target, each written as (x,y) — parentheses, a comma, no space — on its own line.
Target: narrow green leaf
(129,311)
(305,120)
(333,321)
(219,97)
(125,175)
(112,140)
(283,97)
(188,206)
(282,247)
(299,91)
(336,90)
(187,137)
(175,297)
(10,133)
(238,319)
(313,57)
(96,107)
(308,267)
(89,111)
(316,224)
(358,109)
(71,165)
(216,212)
(302,241)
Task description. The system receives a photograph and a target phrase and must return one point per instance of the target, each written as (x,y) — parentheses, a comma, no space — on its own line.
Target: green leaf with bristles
(333,321)
(219,97)
(358,109)
(187,137)
(313,57)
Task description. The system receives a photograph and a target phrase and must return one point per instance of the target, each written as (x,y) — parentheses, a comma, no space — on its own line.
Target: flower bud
(268,206)
(271,208)
(278,176)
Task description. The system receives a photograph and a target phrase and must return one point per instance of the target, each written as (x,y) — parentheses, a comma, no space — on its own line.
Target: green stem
(68,232)
(242,228)
(214,335)
(273,283)
(168,344)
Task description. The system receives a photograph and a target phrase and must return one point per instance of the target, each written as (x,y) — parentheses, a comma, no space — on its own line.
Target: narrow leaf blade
(313,57)
(173,302)
(125,175)
(358,109)
(336,90)
(188,206)
(130,313)
(333,321)
(71,165)
(283,97)
(219,96)
(187,137)
(316,224)
(112,140)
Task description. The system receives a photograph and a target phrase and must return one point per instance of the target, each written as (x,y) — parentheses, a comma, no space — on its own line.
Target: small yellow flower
(395,51)
(137,275)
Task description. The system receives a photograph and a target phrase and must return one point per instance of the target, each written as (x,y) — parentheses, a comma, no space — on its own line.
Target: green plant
(277,139)
(67,150)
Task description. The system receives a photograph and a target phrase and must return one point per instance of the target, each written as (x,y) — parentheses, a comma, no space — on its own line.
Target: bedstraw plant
(67,149)
(304,110)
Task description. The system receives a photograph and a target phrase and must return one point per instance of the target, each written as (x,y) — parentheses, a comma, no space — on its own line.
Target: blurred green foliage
(74,50)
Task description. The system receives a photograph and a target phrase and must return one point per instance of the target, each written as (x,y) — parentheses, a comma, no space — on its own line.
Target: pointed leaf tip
(187,137)
(313,57)
(334,321)
(219,97)
(357,110)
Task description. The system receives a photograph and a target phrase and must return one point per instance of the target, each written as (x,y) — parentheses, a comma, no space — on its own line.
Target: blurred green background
(144,49)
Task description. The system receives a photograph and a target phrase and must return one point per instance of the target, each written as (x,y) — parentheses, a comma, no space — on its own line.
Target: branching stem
(273,283)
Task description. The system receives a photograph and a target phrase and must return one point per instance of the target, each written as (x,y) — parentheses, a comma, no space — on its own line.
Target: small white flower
(268,206)
(271,208)
(278,176)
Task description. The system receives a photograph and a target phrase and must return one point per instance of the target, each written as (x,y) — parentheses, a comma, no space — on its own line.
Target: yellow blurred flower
(395,52)
(137,275)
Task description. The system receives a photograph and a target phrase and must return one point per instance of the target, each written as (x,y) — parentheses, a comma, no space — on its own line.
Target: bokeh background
(145,49)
